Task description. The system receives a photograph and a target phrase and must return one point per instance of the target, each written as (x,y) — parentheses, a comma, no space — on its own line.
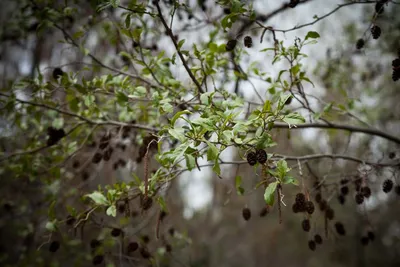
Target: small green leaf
(51,211)
(216,168)
(294,118)
(98,198)
(239,188)
(190,162)
(178,115)
(212,152)
(312,35)
(111,211)
(177,133)
(51,226)
(181,42)
(58,123)
(269,193)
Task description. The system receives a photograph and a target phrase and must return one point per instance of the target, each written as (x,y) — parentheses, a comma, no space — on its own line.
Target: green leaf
(114,3)
(178,115)
(282,169)
(212,152)
(58,123)
(312,35)
(122,98)
(162,203)
(98,198)
(190,162)
(51,210)
(181,42)
(270,193)
(51,226)
(238,183)
(111,211)
(216,168)
(178,133)
(294,118)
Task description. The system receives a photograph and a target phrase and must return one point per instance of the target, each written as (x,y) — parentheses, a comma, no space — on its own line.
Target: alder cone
(246,214)
(387,186)
(57,73)
(305,224)
(261,156)
(132,247)
(310,207)
(340,228)
(54,246)
(248,42)
(230,45)
(311,245)
(360,43)
(318,239)
(376,32)
(252,158)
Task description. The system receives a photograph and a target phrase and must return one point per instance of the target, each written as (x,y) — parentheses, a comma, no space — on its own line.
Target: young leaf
(112,211)
(312,35)
(98,198)
(294,118)
(269,193)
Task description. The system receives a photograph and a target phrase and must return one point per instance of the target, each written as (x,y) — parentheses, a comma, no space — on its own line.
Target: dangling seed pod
(310,207)
(54,246)
(116,232)
(252,158)
(366,191)
(98,259)
(359,198)
(305,224)
(57,73)
(318,239)
(340,228)
(230,45)
(311,245)
(264,211)
(376,32)
(248,42)
(132,247)
(246,214)
(261,156)
(387,186)
(360,43)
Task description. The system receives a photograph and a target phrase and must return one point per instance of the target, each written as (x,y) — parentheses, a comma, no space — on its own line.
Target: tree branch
(354,129)
(170,34)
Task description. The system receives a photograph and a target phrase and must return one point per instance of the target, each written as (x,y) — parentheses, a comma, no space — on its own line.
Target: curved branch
(319,18)
(170,34)
(354,129)
(315,157)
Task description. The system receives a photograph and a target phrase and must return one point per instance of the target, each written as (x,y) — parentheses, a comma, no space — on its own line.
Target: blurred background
(204,225)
